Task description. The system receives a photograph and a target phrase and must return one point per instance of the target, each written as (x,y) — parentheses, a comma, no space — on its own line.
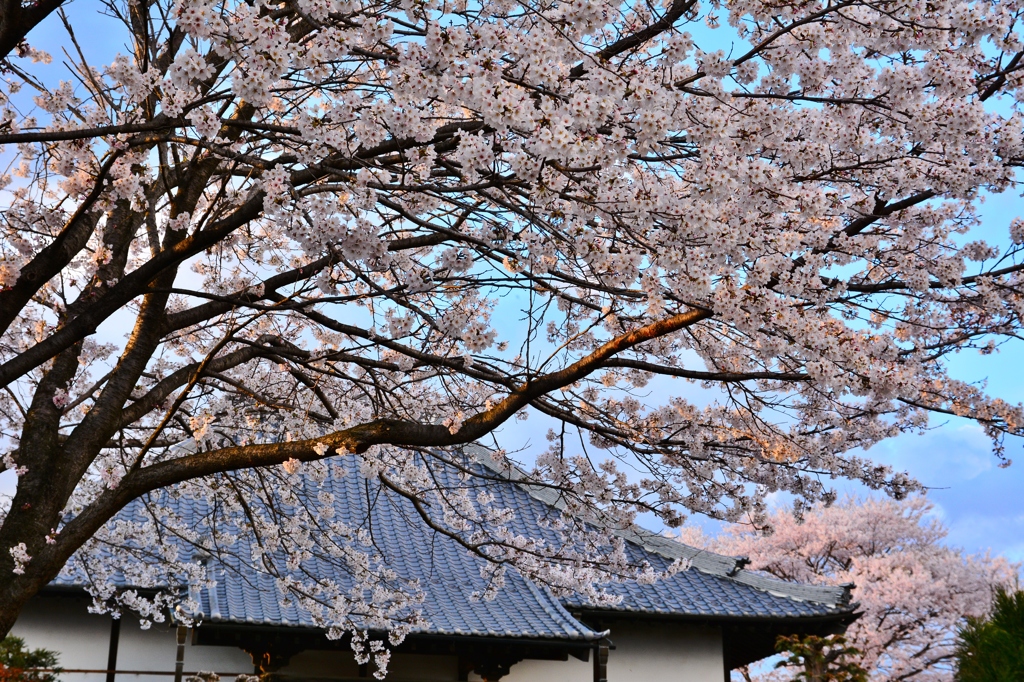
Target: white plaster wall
(422,668)
(63,625)
(665,652)
(82,641)
(322,664)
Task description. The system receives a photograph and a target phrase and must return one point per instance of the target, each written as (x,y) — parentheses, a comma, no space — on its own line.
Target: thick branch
(355,439)
(635,40)
(17,20)
(132,285)
(706,375)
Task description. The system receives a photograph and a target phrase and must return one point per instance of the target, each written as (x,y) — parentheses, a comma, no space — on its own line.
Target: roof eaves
(730,568)
(574,628)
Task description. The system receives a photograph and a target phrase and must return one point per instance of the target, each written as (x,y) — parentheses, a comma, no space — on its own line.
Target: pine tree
(821,659)
(19,664)
(992,650)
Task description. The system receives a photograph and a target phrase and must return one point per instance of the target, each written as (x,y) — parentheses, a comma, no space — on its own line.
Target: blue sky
(980,503)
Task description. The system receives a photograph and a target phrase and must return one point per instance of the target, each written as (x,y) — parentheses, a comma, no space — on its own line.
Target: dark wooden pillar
(115,638)
(601,660)
(179,659)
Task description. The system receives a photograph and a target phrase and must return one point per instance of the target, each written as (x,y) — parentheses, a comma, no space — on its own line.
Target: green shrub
(992,649)
(18,664)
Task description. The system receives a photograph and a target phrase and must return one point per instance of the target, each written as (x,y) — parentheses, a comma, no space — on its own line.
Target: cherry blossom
(725,248)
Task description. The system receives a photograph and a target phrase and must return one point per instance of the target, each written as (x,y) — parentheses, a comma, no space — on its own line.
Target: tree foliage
(18,664)
(388,228)
(992,649)
(821,659)
(911,589)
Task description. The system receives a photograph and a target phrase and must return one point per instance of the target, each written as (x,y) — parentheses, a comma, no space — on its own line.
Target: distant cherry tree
(913,590)
(272,232)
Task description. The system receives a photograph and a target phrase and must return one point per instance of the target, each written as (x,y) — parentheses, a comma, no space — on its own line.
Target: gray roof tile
(713,586)
(449,574)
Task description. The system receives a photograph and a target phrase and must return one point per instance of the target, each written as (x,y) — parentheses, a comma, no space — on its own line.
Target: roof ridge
(719,565)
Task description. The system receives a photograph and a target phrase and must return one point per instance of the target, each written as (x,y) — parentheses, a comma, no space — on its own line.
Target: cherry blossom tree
(913,591)
(383,229)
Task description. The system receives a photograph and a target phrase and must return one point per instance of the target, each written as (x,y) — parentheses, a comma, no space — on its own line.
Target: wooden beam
(115,638)
(601,660)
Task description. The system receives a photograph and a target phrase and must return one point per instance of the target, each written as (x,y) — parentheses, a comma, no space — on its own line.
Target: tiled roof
(714,586)
(450,575)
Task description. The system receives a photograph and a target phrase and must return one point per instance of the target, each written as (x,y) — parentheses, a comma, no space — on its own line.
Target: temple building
(694,626)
